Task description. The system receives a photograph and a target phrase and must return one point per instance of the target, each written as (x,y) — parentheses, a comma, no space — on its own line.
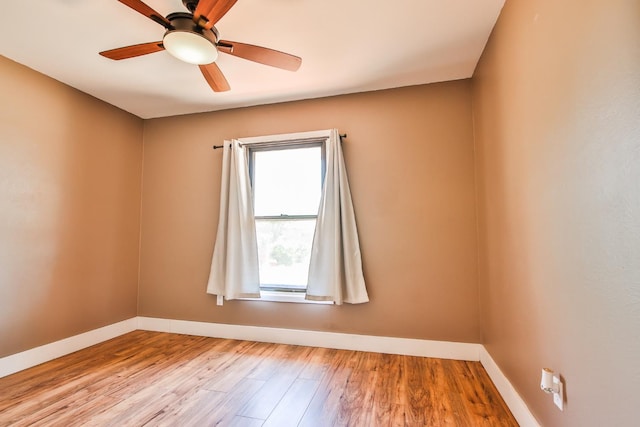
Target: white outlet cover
(558,398)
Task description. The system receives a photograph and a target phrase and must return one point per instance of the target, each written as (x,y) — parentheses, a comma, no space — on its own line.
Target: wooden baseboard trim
(35,356)
(391,345)
(516,404)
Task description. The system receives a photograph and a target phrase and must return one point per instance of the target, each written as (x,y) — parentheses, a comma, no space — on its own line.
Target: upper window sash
(286,141)
(256,148)
(285,145)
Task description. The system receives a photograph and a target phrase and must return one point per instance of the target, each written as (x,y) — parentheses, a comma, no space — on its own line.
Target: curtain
(234,266)
(335,270)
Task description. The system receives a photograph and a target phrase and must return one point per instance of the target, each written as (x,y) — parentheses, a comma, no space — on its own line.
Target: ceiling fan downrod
(190,5)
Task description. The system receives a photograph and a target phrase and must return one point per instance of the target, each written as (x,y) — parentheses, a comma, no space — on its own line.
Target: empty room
(296,213)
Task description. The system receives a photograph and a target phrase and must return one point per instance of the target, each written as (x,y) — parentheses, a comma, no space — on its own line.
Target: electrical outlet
(558,398)
(552,384)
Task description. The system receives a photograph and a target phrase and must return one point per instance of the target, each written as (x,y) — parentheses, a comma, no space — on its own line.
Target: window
(276,181)
(286,181)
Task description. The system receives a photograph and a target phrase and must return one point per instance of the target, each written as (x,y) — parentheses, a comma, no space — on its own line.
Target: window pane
(287,182)
(284,249)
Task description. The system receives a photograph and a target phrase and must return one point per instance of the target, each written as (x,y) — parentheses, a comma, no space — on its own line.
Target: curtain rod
(215,147)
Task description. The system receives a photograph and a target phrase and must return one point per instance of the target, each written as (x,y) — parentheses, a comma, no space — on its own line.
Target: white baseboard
(516,404)
(35,356)
(390,345)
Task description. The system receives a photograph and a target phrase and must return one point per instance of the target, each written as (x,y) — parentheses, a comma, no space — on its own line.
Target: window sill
(295,297)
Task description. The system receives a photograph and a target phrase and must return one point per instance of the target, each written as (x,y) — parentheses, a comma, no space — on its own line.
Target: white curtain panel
(234,267)
(335,270)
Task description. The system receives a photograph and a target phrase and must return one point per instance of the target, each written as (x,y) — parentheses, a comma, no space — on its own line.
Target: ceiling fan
(192,38)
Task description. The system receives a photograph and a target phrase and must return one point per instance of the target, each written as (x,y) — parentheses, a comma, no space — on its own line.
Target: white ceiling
(346,46)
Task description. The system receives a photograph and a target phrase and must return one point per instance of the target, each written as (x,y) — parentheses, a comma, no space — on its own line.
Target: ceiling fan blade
(133,51)
(147,11)
(213,75)
(208,12)
(262,55)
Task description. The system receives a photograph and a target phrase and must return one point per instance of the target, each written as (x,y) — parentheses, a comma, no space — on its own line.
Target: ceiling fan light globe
(190,47)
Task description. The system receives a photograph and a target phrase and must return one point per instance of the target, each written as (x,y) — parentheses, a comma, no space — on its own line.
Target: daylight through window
(287,185)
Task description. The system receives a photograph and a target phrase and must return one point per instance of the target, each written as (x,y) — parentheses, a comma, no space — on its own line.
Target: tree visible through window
(287,184)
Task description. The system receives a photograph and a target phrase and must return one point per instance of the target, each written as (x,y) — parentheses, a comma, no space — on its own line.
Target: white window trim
(312,136)
(317,134)
(281,296)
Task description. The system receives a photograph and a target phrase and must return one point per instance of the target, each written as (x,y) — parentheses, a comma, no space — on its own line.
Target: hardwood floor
(158,379)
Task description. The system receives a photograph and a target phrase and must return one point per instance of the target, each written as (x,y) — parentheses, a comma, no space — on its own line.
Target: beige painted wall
(410,158)
(70,169)
(557,122)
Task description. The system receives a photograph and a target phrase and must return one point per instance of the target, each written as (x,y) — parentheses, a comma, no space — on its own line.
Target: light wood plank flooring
(159,379)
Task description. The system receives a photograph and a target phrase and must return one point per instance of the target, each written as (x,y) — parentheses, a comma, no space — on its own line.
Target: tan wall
(557,122)
(70,169)
(410,158)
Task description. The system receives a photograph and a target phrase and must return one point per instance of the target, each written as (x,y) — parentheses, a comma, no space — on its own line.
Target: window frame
(280,292)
